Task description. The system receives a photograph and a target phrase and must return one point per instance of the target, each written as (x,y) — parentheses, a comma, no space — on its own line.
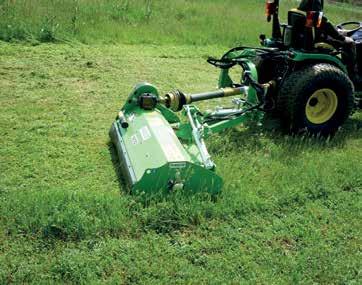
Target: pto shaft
(176,100)
(226,92)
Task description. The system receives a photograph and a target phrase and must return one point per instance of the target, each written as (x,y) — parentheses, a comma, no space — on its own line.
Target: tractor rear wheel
(317,99)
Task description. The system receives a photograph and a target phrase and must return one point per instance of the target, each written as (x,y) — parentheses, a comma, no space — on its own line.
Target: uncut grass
(154,21)
(290,210)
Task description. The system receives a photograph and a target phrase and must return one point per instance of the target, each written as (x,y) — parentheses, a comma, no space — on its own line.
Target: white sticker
(156,121)
(131,117)
(134,139)
(169,143)
(178,165)
(145,133)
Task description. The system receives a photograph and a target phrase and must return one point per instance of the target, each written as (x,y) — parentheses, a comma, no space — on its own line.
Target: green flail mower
(307,90)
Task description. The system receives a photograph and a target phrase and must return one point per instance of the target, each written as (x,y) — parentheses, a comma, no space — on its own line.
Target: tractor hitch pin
(238,102)
(200,143)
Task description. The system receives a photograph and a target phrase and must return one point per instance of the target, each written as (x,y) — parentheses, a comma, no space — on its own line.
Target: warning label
(134,139)
(145,133)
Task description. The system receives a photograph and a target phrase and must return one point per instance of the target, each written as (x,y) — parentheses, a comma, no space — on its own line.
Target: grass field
(226,22)
(290,210)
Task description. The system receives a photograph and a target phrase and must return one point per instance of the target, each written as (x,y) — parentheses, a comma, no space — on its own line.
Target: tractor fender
(302,58)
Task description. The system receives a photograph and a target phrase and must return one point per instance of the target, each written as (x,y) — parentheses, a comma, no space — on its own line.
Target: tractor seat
(303,38)
(296,17)
(296,21)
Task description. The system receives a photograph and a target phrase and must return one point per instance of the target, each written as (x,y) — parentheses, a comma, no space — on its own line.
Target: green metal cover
(318,57)
(153,159)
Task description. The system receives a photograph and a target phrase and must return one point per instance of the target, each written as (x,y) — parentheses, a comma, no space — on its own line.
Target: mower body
(153,160)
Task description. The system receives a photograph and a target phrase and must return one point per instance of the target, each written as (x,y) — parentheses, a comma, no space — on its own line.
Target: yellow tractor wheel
(321,106)
(317,99)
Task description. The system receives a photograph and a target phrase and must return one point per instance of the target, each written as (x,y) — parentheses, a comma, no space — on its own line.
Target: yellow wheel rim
(321,106)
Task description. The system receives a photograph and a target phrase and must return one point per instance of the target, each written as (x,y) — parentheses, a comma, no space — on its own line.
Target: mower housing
(152,158)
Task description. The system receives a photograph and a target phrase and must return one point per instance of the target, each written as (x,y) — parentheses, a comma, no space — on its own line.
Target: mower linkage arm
(197,134)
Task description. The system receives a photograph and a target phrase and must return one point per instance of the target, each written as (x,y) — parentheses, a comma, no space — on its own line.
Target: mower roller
(306,89)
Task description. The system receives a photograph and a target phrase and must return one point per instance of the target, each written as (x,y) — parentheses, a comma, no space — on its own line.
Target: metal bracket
(197,130)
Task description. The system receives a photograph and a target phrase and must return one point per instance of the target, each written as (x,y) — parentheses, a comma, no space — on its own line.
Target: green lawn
(290,211)
(193,22)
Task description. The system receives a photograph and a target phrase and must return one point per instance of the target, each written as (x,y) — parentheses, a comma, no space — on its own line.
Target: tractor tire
(316,99)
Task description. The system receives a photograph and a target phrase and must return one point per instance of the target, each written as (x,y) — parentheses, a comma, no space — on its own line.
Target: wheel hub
(313,102)
(321,106)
